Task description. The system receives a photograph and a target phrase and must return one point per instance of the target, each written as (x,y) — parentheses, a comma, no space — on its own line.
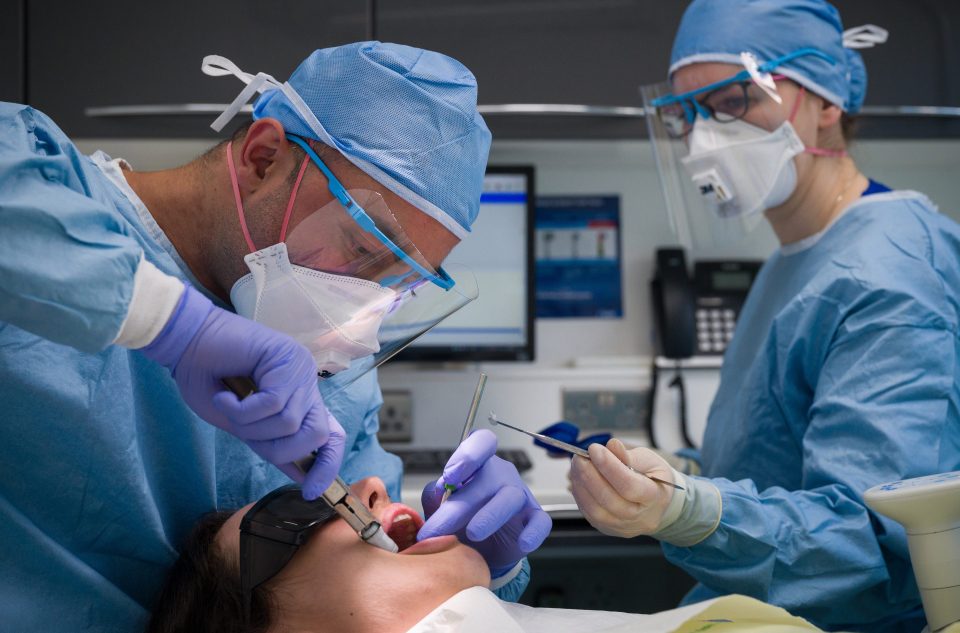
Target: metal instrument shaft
(467,427)
(570,448)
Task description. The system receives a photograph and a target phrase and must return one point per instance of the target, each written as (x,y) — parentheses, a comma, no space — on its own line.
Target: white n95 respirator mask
(741,169)
(336,317)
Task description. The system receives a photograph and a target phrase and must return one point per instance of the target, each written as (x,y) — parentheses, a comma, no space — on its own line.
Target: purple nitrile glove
(285,420)
(494,512)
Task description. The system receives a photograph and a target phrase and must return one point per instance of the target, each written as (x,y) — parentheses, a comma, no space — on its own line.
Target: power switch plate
(607,410)
(396,417)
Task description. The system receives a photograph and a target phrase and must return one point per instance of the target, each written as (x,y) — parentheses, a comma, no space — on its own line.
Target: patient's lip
(401,523)
(432,545)
(392,511)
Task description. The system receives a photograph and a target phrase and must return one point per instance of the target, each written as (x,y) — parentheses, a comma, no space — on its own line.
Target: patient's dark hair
(202,591)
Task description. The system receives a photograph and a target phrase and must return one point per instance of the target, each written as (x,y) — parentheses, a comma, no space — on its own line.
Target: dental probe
(338,495)
(570,448)
(467,427)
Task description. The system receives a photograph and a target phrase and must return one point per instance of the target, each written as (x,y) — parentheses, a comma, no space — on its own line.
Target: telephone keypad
(714,329)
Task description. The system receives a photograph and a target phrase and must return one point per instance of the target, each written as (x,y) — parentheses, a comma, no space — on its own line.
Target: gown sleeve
(67,260)
(883,408)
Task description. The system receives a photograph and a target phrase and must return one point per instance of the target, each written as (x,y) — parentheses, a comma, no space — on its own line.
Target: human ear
(264,149)
(829,115)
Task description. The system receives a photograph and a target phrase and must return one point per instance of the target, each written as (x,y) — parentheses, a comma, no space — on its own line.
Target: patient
(336,583)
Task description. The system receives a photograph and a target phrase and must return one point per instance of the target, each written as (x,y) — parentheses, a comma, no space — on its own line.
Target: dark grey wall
(12,50)
(595,52)
(114,52)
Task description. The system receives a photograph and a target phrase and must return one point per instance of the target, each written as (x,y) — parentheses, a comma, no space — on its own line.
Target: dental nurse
(843,371)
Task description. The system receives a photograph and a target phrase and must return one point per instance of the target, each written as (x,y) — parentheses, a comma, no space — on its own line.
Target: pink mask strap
(819,151)
(796,104)
(293,197)
(236,196)
(816,151)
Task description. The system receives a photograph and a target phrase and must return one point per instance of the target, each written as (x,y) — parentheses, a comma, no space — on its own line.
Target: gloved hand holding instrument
(337,494)
(273,403)
(491,510)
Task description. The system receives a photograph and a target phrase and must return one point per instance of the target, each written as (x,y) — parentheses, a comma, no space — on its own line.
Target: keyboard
(430,461)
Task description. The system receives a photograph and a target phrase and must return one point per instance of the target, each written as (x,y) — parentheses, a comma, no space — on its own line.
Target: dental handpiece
(338,495)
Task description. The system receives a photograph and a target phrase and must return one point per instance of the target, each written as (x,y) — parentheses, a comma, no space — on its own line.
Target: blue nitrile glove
(494,512)
(284,420)
(569,432)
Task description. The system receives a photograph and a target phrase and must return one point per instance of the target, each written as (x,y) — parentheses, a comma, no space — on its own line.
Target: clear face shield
(724,153)
(347,282)
(413,314)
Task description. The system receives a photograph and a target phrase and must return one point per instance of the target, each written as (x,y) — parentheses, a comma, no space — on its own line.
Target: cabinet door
(11,50)
(594,52)
(113,53)
(915,67)
(597,52)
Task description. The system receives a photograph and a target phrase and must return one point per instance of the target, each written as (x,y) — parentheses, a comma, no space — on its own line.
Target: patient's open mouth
(401,524)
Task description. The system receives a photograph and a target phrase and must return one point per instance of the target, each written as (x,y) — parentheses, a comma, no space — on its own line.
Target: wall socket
(608,410)
(396,417)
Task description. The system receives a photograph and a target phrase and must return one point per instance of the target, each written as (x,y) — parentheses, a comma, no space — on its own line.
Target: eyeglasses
(726,100)
(724,104)
(272,531)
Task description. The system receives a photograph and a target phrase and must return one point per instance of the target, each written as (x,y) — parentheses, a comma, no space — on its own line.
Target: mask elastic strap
(796,104)
(236,196)
(293,197)
(816,151)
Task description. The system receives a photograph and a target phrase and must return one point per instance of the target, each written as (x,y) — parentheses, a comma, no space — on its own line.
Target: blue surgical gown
(103,468)
(842,374)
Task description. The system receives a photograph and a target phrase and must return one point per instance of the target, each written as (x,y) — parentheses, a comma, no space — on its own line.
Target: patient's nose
(372,491)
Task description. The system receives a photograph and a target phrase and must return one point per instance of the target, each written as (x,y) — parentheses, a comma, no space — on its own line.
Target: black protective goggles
(272,531)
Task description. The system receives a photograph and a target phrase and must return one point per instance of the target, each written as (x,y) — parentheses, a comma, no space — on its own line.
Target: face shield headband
(759,73)
(363,219)
(380,239)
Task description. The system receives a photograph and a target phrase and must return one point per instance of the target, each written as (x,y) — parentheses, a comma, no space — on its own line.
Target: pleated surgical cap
(720,30)
(405,116)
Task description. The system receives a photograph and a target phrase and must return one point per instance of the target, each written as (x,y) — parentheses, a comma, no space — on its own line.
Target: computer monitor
(498,325)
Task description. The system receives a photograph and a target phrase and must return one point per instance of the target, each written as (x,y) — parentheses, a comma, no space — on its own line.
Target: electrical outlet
(396,417)
(608,410)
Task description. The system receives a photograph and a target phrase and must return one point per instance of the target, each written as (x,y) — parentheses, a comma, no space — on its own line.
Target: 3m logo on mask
(711,185)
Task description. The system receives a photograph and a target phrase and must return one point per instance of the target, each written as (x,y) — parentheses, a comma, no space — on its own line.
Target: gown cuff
(155,297)
(700,509)
(501,581)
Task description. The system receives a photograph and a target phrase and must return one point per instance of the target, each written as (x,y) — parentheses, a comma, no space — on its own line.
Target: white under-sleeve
(504,580)
(700,508)
(155,297)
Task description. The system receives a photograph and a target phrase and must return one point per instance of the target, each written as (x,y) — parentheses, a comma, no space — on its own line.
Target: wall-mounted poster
(578,257)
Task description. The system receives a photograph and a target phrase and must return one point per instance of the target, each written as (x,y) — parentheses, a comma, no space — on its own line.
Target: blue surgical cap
(719,30)
(405,116)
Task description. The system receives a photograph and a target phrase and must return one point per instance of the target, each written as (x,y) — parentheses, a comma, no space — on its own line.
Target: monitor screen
(498,325)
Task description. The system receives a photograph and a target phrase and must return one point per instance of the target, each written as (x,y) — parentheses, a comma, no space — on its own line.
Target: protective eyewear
(272,531)
(361,237)
(725,104)
(726,100)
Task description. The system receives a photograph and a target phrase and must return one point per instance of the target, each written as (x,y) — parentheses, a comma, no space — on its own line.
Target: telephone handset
(673,304)
(697,315)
